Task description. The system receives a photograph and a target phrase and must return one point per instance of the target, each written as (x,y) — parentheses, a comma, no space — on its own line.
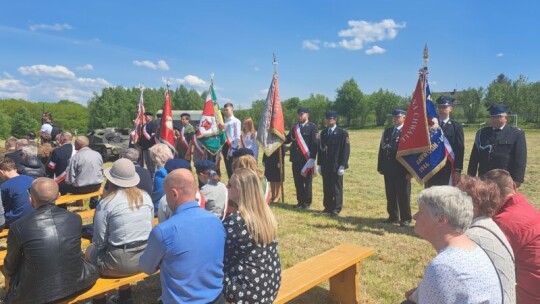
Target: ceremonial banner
(211,132)
(166,132)
(422,150)
(271,132)
(139,121)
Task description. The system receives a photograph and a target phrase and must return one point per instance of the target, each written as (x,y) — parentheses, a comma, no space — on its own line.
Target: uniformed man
(333,160)
(397,181)
(304,145)
(147,141)
(499,147)
(453,131)
(184,137)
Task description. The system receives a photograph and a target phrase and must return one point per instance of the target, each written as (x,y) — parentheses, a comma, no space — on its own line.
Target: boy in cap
(453,131)
(304,140)
(499,146)
(397,181)
(214,191)
(334,150)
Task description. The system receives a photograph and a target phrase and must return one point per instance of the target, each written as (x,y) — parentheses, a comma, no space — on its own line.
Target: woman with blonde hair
(252,266)
(248,137)
(122,224)
(248,161)
(160,154)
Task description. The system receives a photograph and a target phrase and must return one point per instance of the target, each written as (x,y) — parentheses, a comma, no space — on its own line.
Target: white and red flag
(139,121)
(166,131)
(271,132)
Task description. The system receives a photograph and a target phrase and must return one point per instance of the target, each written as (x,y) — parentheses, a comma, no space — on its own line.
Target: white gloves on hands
(341,171)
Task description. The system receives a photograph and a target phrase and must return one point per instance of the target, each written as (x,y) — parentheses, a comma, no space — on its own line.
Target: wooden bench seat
(77,198)
(341,265)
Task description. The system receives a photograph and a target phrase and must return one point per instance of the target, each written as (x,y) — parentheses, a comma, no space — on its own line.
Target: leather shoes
(334,214)
(391,221)
(405,223)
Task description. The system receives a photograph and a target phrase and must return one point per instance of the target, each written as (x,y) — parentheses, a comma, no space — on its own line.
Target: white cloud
(375,50)
(57,71)
(160,65)
(86,67)
(50,27)
(500,54)
(55,83)
(311,44)
(360,33)
(189,80)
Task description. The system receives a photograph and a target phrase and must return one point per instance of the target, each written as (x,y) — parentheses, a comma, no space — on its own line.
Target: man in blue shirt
(14,192)
(187,248)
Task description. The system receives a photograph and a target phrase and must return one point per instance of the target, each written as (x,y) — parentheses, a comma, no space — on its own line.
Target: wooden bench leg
(344,286)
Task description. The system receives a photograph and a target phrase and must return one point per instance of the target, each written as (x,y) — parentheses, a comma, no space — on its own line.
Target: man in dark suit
(453,131)
(304,145)
(147,141)
(397,181)
(334,151)
(59,161)
(499,146)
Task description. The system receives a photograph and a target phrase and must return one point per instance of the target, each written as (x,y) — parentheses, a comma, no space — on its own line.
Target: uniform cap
(242,152)
(204,164)
(177,163)
(149,113)
(302,110)
(445,101)
(495,110)
(399,112)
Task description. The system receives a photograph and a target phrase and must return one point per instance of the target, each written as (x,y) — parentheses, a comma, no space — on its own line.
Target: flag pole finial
(426,56)
(274,62)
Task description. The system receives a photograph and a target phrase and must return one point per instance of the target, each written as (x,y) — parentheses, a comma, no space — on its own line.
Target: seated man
(31,165)
(214,191)
(16,155)
(59,160)
(45,148)
(519,220)
(191,272)
(44,261)
(14,192)
(10,146)
(84,173)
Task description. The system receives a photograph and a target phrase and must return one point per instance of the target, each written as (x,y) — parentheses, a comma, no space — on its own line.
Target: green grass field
(400,256)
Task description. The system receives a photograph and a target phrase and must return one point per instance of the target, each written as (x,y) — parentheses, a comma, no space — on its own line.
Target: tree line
(117,106)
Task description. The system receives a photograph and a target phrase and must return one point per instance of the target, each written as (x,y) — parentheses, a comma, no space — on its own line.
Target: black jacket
(44,258)
(59,160)
(505,150)
(310,134)
(334,150)
(31,166)
(387,163)
(150,128)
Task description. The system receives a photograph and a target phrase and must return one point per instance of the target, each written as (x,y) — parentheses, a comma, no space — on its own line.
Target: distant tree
(349,101)
(471,101)
(318,104)
(290,107)
(22,122)
(5,126)
(384,102)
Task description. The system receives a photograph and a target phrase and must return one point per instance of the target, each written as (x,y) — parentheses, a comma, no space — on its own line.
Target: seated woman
(122,224)
(252,266)
(249,161)
(485,232)
(461,272)
(159,154)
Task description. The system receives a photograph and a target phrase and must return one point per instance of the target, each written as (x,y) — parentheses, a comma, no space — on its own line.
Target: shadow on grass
(316,295)
(361,224)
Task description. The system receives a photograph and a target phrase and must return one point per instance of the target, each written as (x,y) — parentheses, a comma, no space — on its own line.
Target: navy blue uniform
(59,160)
(334,151)
(453,131)
(499,149)
(303,184)
(397,186)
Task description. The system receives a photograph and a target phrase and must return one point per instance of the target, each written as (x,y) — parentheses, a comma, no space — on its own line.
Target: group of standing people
(499,146)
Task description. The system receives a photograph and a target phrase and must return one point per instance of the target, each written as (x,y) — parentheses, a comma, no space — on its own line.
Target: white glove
(341,171)
(311,163)
(231,151)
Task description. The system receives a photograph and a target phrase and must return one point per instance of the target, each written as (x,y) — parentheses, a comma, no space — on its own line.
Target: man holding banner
(304,145)
(184,137)
(397,183)
(453,131)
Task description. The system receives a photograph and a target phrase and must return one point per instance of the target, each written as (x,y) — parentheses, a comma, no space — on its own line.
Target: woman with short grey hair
(160,154)
(461,272)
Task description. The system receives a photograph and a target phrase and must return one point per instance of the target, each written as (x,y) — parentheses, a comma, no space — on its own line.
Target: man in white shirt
(233,128)
(85,170)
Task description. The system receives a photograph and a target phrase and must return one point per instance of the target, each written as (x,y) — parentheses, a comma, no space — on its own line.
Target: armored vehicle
(109,142)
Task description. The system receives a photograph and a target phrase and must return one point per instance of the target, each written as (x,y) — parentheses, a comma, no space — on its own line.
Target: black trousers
(333,192)
(442,177)
(398,198)
(302,184)
(65,188)
(228,160)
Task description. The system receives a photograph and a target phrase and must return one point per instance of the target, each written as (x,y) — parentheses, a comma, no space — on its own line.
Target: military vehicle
(109,142)
(195,117)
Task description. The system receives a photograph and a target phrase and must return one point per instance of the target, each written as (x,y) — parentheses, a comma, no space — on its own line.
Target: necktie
(395,132)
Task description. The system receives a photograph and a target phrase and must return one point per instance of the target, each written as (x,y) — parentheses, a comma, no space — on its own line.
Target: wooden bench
(77,198)
(341,265)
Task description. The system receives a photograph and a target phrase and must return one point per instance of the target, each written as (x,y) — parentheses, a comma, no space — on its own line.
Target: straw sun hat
(123,174)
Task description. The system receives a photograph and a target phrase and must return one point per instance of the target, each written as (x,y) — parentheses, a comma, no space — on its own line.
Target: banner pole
(281,174)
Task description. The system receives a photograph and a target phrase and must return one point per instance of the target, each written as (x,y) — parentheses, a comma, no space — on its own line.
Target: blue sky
(52,50)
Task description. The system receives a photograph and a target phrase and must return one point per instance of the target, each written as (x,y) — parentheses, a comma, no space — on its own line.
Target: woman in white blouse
(248,137)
